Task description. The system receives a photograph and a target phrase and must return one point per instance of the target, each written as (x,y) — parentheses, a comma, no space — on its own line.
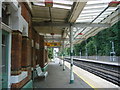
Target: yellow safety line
(84,80)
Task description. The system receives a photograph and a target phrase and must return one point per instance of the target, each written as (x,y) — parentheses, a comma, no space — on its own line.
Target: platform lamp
(80,50)
(114,3)
(49,3)
(52,34)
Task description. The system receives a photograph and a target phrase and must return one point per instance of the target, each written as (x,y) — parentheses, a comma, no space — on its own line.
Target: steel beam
(91,25)
(66,39)
(63,24)
(76,10)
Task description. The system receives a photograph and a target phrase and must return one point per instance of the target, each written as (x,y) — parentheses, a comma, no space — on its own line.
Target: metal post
(96,52)
(60,59)
(113,50)
(71,56)
(63,56)
(86,50)
(113,47)
(80,53)
(53,55)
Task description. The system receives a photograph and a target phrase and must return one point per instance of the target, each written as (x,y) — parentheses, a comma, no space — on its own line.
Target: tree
(101,42)
(50,53)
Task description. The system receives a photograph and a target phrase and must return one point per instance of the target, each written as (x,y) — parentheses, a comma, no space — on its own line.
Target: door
(5,43)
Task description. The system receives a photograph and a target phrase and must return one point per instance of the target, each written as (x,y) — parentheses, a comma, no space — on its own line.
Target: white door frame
(9,30)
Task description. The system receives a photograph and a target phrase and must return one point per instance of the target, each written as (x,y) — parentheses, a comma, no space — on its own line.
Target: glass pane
(61,6)
(97,4)
(83,20)
(111,9)
(63,1)
(91,11)
(98,1)
(95,7)
(57,3)
(40,4)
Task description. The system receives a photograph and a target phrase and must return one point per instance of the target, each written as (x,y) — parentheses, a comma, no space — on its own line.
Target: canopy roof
(87,18)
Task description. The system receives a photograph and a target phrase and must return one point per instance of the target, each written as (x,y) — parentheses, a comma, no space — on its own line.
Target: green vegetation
(100,43)
(50,53)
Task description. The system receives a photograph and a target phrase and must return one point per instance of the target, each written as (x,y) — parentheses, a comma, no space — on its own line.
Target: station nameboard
(53,44)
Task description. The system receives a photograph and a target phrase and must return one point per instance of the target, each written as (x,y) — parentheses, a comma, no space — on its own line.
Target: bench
(40,73)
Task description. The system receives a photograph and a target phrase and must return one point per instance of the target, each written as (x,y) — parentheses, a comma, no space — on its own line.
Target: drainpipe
(71,56)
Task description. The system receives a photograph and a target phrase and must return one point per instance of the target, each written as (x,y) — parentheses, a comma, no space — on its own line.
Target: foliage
(100,43)
(50,53)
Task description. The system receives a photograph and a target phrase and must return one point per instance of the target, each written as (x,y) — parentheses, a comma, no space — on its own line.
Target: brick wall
(24,54)
(16,53)
(21,50)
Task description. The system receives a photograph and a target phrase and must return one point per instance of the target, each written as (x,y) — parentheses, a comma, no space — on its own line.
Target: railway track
(106,73)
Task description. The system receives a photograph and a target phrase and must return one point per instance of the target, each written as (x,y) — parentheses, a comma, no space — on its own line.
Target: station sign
(49,3)
(53,44)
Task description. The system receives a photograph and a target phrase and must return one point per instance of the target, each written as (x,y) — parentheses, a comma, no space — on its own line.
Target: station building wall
(27,48)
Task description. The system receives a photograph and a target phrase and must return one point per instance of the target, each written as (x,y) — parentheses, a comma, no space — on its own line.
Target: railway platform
(58,78)
(91,79)
(33,32)
(98,61)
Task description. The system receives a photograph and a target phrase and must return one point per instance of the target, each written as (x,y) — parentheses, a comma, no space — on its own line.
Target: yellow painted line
(84,80)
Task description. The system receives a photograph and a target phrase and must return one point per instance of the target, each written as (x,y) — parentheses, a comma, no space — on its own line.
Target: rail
(100,70)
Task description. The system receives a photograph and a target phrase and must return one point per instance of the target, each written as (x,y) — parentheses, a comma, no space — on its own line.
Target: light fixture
(52,33)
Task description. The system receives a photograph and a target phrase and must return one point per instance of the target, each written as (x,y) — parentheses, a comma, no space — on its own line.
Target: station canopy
(87,17)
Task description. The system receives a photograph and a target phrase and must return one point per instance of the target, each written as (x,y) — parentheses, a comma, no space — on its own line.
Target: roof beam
(76,10)
(69,5)
(68,24)
(91,25)
(51,24)
(39,19)
(65,39)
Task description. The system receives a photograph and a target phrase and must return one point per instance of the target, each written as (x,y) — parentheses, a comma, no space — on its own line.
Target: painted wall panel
(0,59)
(9,60)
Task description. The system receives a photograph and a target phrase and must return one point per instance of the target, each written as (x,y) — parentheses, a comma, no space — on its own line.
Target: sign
(114,3)
(53,44)
(48,3)
(80,33)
